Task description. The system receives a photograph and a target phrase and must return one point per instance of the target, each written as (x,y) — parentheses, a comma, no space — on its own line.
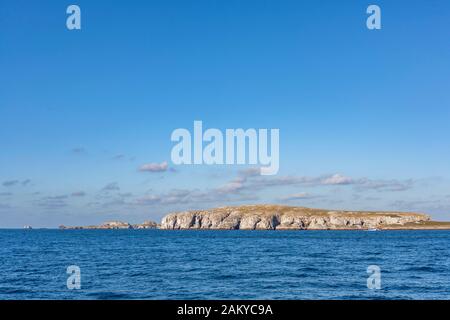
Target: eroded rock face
(146,225)
(270,217)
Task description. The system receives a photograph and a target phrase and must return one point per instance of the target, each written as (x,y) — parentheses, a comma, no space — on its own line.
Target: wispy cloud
(176,196)
(185,196)
(79,150)
(297,196)
(154,167)
(250,180)
(119,157)
(118,202)
(420,205)
(59,197)
(384,185)
(10,183)
(247,185)
(78,194)
(233,186)
(15,182)
(125,194)
(113,186)
(53,202)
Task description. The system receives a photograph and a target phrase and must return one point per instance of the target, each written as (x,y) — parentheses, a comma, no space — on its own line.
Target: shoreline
(277,218)
(257,230)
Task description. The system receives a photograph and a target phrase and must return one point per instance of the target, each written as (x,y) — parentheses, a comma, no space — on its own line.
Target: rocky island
(277,217)
(116,225)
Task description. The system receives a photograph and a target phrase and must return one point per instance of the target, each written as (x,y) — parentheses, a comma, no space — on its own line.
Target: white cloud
(231,187)
(337,179)
(154,167)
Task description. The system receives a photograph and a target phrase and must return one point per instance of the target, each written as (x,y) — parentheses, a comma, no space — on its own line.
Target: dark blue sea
(158,264)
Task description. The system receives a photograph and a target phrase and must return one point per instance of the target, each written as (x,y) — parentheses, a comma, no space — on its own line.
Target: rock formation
(277,217)
(117,225)
(146,225)
(271,217)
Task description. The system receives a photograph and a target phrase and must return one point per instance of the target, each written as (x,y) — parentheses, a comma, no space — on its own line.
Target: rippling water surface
(158,264)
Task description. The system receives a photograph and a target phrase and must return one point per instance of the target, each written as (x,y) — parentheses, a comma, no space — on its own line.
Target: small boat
(372,229)
(27,227)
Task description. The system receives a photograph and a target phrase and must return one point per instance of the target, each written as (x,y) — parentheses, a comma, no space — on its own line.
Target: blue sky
(363,115)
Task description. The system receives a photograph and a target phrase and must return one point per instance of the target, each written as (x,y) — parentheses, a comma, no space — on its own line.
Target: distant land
(117,225)
(278,217)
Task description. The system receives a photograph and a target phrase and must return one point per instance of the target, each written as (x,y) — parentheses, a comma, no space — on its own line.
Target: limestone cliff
(270,217)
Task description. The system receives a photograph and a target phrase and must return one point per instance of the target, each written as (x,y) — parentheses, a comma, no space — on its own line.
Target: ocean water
(159,264)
